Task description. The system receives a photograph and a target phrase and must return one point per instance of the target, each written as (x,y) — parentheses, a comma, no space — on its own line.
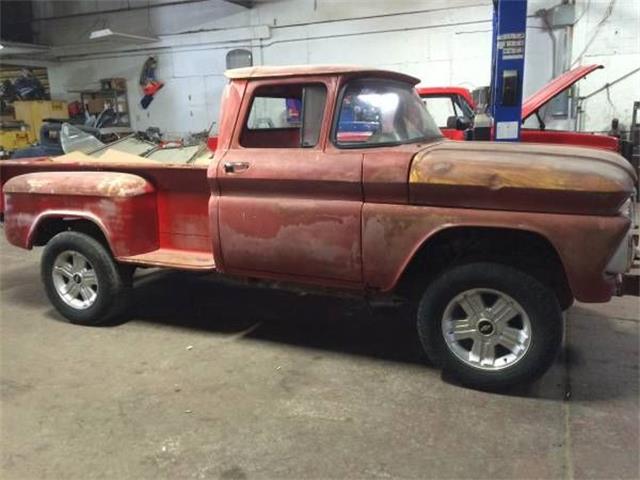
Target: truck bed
(182,196)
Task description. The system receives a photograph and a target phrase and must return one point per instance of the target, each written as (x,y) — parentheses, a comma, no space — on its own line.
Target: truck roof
(300,70)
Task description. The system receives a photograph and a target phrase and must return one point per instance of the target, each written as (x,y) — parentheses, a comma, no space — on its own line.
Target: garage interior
(215,377)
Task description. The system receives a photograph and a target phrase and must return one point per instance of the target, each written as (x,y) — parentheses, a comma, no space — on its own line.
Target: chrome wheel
(75,280)
(486,329)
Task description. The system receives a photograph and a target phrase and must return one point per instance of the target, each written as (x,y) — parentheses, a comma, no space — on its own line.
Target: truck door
(287,208)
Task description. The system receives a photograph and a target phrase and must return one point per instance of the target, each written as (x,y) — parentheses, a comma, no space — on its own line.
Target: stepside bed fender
(122,205)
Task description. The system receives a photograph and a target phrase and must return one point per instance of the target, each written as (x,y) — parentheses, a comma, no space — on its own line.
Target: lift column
(507,64)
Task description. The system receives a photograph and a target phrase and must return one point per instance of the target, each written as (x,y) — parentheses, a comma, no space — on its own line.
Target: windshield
(383,112)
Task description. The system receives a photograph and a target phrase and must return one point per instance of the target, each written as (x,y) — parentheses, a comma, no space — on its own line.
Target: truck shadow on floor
(321,322)
(324,322)
(331,324)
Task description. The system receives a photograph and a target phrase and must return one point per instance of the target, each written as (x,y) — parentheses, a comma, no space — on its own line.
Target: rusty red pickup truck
(490,241)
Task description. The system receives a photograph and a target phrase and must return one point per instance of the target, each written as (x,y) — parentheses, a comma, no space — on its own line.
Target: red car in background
(451,103)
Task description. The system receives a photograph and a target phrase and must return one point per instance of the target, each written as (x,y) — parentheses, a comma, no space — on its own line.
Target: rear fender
(122,205)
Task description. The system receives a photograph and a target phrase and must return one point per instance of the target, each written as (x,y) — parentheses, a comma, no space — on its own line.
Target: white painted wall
(442,42)
(616,45)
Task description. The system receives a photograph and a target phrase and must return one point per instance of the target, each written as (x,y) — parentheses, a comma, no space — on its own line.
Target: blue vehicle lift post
(507,65)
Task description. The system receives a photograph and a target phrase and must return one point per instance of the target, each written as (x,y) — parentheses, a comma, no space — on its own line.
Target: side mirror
(458,123)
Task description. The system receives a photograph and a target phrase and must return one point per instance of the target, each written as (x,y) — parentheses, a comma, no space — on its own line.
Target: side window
(274,112)
(285,116)
(440,108)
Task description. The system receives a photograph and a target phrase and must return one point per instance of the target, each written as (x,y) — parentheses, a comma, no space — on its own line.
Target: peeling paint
(101,184)
(331,217)
(395,232)
(528,177)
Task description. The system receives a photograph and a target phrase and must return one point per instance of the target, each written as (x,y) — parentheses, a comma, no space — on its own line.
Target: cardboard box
(95,105)
(118,84)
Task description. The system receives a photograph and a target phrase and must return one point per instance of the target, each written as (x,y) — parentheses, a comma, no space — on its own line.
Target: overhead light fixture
(108,34)
(17,48)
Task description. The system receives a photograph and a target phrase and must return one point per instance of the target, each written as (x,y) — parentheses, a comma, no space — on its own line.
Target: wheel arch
(49,223)
(526,249)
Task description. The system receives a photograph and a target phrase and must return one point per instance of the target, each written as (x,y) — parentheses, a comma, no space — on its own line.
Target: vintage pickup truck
(490,241)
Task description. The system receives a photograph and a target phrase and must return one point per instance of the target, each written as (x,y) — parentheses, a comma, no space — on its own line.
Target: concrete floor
(213,381)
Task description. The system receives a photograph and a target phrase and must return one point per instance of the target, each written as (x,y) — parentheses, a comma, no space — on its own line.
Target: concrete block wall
(608,33)
(442,42)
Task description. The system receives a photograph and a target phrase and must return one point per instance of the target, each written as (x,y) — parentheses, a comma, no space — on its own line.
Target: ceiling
(18,17)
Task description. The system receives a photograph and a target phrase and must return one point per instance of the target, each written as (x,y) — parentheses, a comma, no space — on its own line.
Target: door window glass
(285,116)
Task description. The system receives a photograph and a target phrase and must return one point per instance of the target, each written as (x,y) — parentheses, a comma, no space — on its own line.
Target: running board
(171,258)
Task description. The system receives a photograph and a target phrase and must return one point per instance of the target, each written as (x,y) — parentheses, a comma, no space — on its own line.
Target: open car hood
(555,87)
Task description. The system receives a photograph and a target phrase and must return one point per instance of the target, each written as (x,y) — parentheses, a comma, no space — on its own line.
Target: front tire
(489,325)
(82,280)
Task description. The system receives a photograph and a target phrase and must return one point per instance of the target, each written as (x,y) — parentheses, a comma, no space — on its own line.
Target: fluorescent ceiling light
(18,48)
(108,34)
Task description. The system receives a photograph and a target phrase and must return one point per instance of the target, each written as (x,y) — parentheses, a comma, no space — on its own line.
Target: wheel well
(50,227)
(527,251)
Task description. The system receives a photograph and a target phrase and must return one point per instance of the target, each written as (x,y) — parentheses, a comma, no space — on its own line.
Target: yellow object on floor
(33,113)
(13,139)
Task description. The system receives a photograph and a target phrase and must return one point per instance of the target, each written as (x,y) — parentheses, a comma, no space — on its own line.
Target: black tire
(538,302)
(113,290)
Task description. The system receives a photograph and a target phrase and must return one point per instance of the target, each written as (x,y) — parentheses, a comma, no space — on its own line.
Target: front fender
(392,234)
(122,205)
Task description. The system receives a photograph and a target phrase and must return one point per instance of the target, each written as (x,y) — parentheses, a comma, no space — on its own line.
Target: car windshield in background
(375,112)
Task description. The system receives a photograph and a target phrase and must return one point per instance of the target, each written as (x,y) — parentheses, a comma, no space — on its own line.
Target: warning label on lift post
(512,45)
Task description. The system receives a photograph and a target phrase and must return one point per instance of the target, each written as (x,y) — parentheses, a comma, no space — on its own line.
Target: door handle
(235,167)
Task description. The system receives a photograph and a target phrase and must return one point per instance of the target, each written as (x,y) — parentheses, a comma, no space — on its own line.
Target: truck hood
(525,177)
(554,88)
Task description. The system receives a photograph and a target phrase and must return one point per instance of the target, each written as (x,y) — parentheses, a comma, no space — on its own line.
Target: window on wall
(285,116)
(239,58)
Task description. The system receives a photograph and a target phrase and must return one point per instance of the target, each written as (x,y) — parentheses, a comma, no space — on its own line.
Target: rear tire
(82,280)
(489,325)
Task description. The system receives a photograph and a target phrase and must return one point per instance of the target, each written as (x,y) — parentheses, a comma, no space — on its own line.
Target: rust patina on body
(530,178)
(122,205)
(352,217)
(169,208)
